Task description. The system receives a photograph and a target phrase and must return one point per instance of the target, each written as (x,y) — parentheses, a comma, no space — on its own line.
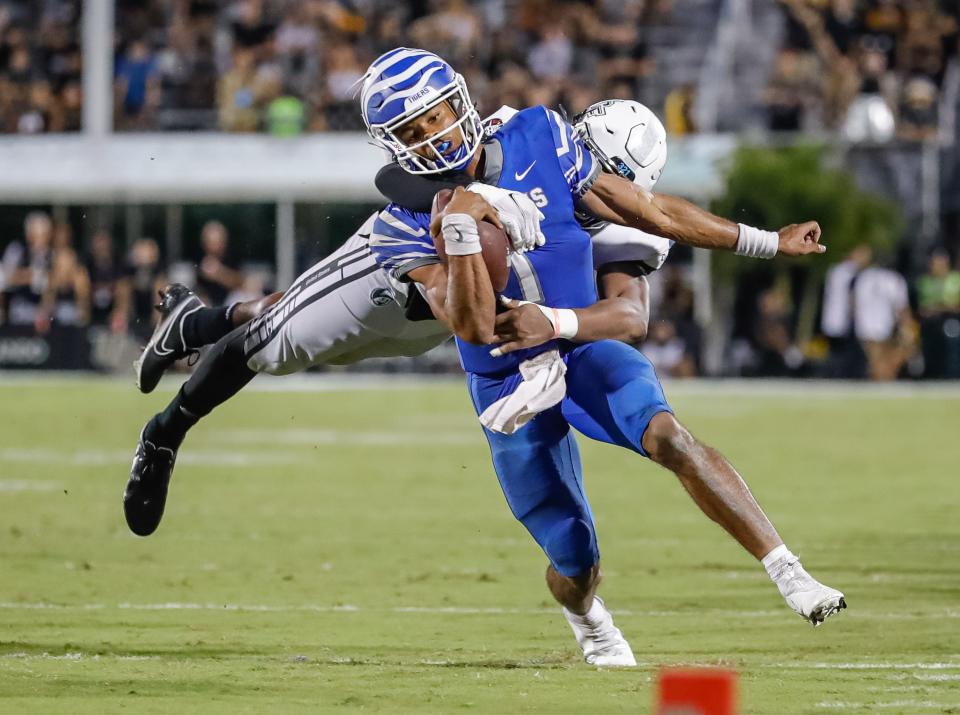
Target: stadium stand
(878,78)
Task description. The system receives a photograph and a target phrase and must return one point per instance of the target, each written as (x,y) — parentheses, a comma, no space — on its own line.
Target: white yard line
(310,437)
(846,705)
(465,610)
(329,382)
(108,457)
(12,486)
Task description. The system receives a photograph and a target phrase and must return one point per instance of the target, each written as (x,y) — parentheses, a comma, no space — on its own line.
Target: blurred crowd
(47,282)
(40,65)
(871,69)
(287,66)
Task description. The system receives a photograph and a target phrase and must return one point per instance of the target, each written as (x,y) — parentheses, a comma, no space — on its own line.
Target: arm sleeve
(400,241)
(578,165)
(412,191)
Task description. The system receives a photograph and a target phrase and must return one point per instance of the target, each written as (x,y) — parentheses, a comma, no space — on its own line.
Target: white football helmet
(626,138)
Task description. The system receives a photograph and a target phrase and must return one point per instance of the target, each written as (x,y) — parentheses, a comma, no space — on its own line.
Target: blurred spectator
(237,94)
(551,58)
(792,90)
(938,303)
(870,114)
(918,110)
(678,111)
(342,70)
(285,114)
(137,80)
(26,270)
(110,287)
(253,287)
(251,29)
(147,279)
(777,355)
(882,321)
(66,300)
(217,274)
(187,70)
(846,358)
(297,44)
(668,352)
(454,30)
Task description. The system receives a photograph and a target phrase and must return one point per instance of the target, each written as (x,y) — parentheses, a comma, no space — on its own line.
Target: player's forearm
(612,319)
(469,304)
(688,223)
(667,216)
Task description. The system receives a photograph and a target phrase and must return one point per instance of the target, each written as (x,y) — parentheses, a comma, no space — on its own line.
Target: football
(493,241)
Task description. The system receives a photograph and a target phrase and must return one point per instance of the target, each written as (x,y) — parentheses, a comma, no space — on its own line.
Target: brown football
(493,241)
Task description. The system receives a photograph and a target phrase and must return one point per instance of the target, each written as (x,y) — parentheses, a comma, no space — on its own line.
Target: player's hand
(523,325)
(520,216)
(800,239)
(465,202)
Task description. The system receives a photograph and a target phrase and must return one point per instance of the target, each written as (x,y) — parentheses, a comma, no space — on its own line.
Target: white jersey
(612,243)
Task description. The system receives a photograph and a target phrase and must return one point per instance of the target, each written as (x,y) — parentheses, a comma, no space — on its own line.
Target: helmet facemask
(468,123)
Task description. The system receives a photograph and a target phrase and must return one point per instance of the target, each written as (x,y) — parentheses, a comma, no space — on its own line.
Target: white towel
(543,386)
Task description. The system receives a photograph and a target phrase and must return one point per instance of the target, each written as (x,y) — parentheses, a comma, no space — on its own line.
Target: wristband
(564,321)
(460,235)
(755,243)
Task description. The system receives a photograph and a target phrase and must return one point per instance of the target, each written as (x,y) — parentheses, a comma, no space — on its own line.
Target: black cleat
(166,345)
(146,492)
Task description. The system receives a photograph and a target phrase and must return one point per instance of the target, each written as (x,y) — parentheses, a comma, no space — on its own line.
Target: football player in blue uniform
(418,108)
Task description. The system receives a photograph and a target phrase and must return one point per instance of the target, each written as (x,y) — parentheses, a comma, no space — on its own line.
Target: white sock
(776,560)
(593,616)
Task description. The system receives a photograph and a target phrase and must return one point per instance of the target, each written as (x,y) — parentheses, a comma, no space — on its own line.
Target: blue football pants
(612,394)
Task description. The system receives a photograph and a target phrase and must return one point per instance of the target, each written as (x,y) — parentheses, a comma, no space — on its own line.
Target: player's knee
(668,442)
(571,546)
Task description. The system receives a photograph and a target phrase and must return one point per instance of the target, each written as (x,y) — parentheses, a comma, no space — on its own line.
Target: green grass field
(350,550)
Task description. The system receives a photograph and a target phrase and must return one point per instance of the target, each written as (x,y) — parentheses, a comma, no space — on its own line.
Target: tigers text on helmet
(626,138)
(403,84)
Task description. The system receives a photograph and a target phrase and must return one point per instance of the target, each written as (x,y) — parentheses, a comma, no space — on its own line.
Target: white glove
(519,215)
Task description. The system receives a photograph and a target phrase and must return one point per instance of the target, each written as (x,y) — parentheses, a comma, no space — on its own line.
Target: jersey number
(538,197)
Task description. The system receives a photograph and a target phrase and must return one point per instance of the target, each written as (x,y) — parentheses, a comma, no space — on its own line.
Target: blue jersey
(537,153)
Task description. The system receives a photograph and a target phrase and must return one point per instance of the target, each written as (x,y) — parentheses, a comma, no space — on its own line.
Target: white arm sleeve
(614,243)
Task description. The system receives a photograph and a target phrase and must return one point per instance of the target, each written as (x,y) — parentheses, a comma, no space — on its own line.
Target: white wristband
(564,321)
(755,243)
(460,235)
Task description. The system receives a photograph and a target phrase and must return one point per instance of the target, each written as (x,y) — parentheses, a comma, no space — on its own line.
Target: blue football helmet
(405,83)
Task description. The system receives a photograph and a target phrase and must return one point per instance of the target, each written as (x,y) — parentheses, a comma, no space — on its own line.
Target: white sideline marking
(844,705)
(308,437)
(469,610)
(23,485)
(331,382)
(233,457)
(75,656)
(109,457)
(937,677)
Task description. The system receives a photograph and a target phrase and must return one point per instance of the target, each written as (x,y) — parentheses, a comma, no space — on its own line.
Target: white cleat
(807,596)
(601,641)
